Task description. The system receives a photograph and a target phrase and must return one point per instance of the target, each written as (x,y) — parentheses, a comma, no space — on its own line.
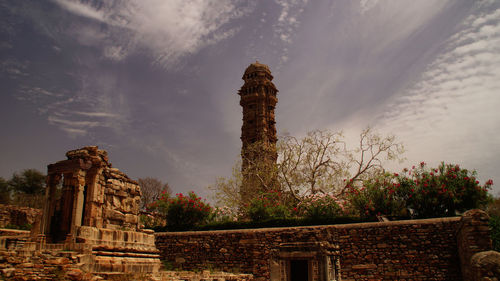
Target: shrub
(420,193)
(222,215)
(319,206)
(495,232)
(184,212)
(382,195)
(26,226)
(444,191)
(269,205)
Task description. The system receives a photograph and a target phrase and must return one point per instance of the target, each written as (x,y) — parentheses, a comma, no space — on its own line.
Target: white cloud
(78,124)
(288,22)
(396,20)
(95,114)
(95,104)
(366,5)
(170,29)
(14,68)
(81,9)
(72,132)
(451,113)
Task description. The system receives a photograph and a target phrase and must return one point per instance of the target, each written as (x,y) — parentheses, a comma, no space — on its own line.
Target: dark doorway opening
(61,220)
(299,270)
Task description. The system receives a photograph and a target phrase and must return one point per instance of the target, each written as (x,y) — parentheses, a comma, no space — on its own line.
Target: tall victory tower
(258,133)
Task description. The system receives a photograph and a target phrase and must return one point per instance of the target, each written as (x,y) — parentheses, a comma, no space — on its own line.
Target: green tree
(29,181)
(493,209)
(4,191)
(28,188)
(226,191)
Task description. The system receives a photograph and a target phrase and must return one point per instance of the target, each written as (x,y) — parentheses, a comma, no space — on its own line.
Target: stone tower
(258,133)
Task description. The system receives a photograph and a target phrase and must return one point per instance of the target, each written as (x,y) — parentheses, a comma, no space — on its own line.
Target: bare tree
(259,172)
(320,162)
(226,191)
(369,156)
(152,189)
(312,164)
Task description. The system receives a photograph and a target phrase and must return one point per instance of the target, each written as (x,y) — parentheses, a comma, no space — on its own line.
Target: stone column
(78,199)
(94,197)
(50,201)
(473,236)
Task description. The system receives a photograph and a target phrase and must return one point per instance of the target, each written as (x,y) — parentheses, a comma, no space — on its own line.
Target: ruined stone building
(93,208)
(258,98)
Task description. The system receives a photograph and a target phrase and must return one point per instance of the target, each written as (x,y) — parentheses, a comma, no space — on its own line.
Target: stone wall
(66,265)
(17,216)
(45,265)
(401,250)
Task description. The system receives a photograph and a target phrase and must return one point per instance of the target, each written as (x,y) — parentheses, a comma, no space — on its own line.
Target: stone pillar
(78,200)
(473,236)
(50,201)
(94,198)
(67,205)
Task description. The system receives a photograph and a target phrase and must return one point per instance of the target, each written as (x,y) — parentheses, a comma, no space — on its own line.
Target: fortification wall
(400,250)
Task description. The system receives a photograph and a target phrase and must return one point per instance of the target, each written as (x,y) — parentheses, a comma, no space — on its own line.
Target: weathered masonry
(94,209)
(430,249)
(258,99)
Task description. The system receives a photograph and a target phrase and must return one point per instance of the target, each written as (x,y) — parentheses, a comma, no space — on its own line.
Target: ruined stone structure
(258,97)
(93,208)
(11,215)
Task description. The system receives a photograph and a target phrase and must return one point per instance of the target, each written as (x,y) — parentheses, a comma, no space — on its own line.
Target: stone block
(132,219)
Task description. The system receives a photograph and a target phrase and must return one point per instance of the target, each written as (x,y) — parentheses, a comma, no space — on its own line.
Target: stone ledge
(418,222)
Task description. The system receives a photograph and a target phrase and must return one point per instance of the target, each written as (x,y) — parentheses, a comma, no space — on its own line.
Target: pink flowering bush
(223,214)
(319,206)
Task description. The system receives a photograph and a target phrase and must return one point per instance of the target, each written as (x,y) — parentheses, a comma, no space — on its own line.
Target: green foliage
(223,214)
(495,232)
(26,226)
(4,192)
(381,195)
(444,191)
(29,181)
(287,222)
(167,265)
(421,193)
(184,212)
(148,221)
(269,205)
(319,206)
(24,189)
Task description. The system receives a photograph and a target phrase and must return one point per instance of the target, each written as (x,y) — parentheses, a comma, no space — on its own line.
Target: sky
(155,82)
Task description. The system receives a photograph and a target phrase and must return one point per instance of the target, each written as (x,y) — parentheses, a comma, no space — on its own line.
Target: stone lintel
(299,255)
(67,166)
